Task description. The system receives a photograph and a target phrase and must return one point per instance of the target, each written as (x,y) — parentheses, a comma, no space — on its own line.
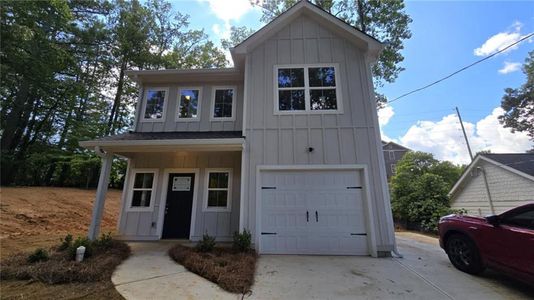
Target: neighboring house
(393,152)
(285,144)
(494,183)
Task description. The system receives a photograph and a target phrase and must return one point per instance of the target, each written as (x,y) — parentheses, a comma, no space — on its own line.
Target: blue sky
(445,37)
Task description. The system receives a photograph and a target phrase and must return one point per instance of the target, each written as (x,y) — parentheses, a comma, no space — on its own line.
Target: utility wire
(462,69)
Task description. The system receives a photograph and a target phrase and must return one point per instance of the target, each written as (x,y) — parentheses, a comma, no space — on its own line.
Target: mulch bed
(60,268)
(231,270)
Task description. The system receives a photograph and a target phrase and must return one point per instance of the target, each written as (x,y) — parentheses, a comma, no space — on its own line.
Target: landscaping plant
(242,241)
(38,255)
(206,244)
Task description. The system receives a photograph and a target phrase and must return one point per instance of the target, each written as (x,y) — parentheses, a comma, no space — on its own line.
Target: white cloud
(445,140)
(510,67)
(222,31)
(384,115)
(229,10)
(501,40)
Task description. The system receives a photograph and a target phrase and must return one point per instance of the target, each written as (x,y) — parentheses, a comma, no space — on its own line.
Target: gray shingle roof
(176,135)
(523,162)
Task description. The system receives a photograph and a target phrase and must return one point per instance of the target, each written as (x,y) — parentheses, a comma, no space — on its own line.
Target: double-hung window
(219,190)
(188,108)
(142,191)
(308,88)
(223,104)
(154,104)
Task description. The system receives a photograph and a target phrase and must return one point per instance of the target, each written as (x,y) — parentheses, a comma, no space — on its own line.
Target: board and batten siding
(143,225)
(507,190)
(347,138)
(204,123)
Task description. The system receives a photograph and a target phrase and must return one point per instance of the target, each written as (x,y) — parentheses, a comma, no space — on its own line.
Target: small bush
(206,244)
(242,241)
(66,243)
(38,255)
(105,241)
(81,241)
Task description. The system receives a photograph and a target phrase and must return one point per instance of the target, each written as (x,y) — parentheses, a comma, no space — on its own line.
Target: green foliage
(38,255)
(419,189)
(237,35)
(81,241)
(206,244)
(66,243)
(104,242)
(518,104)
(242,241)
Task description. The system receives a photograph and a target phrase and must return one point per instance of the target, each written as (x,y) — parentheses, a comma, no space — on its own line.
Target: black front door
(177,222)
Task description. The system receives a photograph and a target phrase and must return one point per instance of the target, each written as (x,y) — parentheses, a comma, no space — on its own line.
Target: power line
(462,69)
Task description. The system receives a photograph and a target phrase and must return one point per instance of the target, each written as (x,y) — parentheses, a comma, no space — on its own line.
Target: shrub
(38,255)
(105,241)
(66,242)
(206,244)
(242,241)
(81,241)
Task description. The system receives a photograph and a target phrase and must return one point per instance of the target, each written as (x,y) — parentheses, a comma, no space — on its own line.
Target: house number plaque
(181,183)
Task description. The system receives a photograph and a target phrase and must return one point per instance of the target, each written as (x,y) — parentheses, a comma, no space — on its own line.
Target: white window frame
(145,102)
(212,109)
(393,169)
(179,96)
(307,88)
(391,154)
(228,207)
(131,190)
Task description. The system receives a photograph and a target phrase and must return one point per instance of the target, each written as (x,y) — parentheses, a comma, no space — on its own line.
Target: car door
(513,241)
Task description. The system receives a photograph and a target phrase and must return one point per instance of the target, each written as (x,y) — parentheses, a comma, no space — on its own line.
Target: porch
(178,188)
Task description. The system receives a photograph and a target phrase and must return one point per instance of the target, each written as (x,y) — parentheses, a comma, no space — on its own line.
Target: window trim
(228,208)
(234,98)
(145,102)
(199,106)
(307,101)
(131,182)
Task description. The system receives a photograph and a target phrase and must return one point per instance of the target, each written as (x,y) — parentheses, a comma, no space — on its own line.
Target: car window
(524,220)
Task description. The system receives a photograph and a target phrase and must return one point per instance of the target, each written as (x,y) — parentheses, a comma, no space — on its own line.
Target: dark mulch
(231,270)
(60,268)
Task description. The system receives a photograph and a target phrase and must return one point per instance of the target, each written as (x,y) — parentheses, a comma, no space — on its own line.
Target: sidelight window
(142,190)
(219,187)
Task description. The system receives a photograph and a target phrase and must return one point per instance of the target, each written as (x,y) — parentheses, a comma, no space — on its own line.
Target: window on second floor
(188,104)
(223,107)
(308,88)
(155,102)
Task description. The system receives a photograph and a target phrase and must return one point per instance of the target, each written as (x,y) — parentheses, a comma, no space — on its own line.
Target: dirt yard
(33,217)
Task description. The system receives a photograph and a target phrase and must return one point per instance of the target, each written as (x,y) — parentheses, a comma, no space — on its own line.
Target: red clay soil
(38,216)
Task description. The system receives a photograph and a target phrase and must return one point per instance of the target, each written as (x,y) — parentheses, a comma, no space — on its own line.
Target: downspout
(486,185)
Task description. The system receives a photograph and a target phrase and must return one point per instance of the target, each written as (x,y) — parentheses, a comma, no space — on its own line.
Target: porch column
(100,199)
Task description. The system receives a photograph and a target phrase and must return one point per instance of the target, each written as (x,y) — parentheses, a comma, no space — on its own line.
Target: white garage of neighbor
(314,211)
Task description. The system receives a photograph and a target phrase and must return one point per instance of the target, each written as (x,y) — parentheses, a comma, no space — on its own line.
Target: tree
(518,104)
(385,20)
(237,35)
(419,189)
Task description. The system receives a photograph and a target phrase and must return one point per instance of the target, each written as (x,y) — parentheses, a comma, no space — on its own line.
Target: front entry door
(177,222)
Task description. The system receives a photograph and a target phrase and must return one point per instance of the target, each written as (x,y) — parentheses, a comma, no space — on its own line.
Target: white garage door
(312,212)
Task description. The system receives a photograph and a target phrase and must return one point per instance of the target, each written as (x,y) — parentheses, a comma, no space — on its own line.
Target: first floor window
(154,104)
(218,196)
(142,189)
(188,103)
(223,103)
(307,88)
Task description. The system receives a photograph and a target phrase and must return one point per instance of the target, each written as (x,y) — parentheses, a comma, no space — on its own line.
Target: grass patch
(57,265)
(230,269)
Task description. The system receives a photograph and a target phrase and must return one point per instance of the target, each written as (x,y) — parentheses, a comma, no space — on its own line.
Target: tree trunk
(14,118)
(117,100)
(361,15)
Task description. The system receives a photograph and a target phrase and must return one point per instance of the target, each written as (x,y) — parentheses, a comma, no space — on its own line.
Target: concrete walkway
(424,273)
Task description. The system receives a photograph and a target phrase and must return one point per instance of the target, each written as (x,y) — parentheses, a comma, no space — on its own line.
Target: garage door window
(218,194)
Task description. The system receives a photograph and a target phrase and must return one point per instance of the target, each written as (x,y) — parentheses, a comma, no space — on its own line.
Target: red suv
(504,242)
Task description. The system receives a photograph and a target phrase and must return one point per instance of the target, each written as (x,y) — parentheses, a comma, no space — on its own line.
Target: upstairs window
(188,104)
(223,106)
(308,88)
(155,101)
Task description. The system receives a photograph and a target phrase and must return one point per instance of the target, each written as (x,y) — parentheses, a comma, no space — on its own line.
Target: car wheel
(464,254)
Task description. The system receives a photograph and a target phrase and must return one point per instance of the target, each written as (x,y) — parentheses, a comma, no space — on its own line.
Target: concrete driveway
(423,273)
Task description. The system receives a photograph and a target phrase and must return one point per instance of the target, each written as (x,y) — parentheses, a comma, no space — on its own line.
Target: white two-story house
(285,144)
